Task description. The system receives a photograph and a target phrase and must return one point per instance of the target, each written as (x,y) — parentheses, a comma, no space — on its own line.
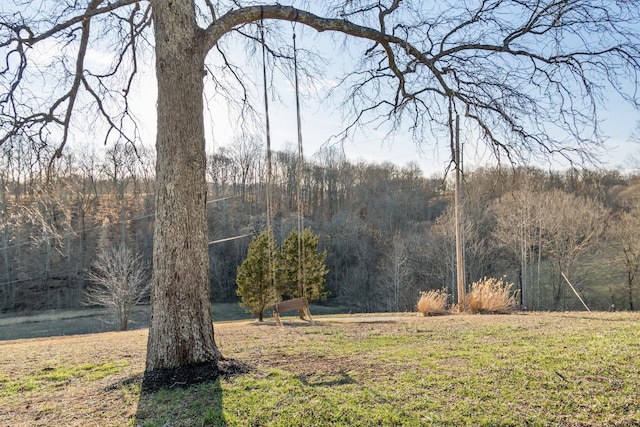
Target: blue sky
(321,120)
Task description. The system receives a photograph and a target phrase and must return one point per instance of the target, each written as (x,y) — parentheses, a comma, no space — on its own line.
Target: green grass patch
(535,370)
(55,376)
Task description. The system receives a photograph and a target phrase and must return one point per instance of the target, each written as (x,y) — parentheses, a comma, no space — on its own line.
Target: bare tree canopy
(120,278)
(530,74)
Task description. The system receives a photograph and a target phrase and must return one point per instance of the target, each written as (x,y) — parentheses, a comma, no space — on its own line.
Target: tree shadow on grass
(186,396)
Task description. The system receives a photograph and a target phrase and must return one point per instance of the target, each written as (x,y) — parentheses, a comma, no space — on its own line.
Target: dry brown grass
(490,295)
(33,394)
(75,396)
(433,303)
(333,372)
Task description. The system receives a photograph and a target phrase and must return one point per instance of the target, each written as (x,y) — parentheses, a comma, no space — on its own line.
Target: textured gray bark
(181,330)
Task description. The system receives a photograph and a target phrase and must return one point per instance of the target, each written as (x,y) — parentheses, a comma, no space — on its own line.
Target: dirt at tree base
(187,376)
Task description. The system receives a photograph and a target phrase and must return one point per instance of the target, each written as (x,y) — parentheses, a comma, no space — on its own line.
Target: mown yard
(541,369)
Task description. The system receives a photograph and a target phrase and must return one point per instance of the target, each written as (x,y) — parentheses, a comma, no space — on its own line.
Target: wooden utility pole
(458,212)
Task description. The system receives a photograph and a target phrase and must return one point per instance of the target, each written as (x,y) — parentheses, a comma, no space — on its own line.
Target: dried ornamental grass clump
(490,295)
(433,303)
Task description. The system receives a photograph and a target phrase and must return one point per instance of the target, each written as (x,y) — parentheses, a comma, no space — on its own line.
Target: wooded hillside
(388,229)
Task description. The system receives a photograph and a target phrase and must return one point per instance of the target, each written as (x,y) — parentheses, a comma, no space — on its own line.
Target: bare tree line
(388,230)
(54,221)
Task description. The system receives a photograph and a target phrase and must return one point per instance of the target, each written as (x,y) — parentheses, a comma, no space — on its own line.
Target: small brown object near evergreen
(291,305)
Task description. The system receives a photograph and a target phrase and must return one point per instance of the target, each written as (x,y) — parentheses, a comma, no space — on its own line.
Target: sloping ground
(533,369)
(67,322)
(96,320)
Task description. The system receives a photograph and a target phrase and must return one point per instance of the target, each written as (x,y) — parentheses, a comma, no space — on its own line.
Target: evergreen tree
(301,267)
(255,274)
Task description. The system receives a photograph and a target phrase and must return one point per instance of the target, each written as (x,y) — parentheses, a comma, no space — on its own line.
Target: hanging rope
(271,249)
(300,171)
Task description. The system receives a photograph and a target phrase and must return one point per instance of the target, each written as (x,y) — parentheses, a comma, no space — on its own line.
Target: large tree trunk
(180,330)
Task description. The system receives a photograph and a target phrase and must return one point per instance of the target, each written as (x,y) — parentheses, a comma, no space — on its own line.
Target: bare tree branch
(511,75)
(53,123)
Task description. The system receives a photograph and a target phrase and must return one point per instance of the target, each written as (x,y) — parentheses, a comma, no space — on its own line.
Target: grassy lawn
(535,369)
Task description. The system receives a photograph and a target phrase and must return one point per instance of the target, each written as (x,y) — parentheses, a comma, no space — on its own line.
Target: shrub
(490,295)
(255,277)
(301,268)
(433,303)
